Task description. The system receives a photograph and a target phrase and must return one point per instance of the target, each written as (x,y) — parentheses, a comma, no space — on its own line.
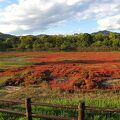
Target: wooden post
(81,111)
(28,109)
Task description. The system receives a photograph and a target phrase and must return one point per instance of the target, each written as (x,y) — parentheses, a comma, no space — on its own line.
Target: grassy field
(109,99)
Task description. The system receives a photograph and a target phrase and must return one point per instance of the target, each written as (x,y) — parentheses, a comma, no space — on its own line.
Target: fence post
(81,111)
(28,109)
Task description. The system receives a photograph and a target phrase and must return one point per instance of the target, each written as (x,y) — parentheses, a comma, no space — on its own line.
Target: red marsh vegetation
(62,70)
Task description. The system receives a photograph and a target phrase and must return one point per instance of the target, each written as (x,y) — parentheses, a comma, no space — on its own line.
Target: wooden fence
(81,108)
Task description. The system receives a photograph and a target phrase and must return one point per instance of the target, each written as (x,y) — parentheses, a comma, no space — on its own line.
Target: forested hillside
(99,41)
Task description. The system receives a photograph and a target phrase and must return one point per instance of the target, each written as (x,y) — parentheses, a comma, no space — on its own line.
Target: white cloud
(108,14)
(110,23)
(27,16)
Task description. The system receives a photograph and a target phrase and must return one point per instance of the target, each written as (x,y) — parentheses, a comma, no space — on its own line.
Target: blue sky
(21,17)
(5,3)
(73,26)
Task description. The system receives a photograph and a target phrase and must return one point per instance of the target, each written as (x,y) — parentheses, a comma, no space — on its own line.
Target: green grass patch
(6,63)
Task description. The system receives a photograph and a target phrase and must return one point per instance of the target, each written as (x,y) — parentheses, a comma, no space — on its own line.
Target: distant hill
(42,35)
(4,36)
(105,32)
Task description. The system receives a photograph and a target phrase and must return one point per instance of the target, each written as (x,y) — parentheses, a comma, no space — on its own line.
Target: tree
(26,42)
(3,46)
(38,44)
(107,42)
(116,43)
(84,40)
(12,42)
(99,37)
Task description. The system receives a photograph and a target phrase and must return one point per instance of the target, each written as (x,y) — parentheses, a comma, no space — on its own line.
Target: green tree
(12,42)
(26,42)
(84,40)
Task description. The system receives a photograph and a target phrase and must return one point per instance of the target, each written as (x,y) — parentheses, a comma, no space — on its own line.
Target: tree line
(76,42)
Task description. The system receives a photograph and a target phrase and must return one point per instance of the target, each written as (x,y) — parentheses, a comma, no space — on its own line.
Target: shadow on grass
(78,61)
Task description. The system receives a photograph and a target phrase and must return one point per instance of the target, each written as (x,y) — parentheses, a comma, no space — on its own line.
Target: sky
(22,17)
